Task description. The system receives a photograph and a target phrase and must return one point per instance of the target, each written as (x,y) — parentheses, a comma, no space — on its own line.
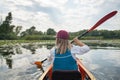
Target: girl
(63,55)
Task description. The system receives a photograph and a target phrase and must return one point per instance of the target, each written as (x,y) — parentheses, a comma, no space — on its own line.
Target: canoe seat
(66,75)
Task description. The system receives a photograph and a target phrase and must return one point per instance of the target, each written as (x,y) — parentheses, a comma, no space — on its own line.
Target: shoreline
(111,42)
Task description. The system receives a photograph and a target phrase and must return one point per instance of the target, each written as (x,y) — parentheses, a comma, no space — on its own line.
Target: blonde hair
(62,45)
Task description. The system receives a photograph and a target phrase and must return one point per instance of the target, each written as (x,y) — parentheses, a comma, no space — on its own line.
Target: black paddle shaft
(80,36)
(43,60)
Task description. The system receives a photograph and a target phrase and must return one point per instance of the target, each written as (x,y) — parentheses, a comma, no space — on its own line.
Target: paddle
(102,20)
(39,64)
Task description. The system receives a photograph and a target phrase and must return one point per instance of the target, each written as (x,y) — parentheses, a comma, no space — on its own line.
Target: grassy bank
(112,42)
(8,42)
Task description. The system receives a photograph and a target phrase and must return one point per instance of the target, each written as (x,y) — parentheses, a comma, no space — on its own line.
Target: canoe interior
(85,74)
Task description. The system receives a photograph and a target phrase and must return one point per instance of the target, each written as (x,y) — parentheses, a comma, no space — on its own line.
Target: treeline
(100,34)
(12,32)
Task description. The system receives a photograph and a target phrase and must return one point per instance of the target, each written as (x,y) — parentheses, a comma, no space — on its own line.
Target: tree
(18,29)
(30,31)
(5,26)
(6,29)
(51,31)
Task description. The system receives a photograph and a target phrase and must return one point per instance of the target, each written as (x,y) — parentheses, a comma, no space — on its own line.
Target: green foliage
(38,37)
(30,31)
(102,34)
(51,31)
(5,26)
(10,36)
(94,35)
(18,29)
(6,30)
(93,38)
(31,37)
(47,37)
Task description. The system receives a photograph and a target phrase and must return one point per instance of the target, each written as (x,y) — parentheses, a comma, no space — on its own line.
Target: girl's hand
(78,42)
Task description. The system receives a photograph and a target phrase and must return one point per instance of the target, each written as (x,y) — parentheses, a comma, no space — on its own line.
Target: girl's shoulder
(80,49)
(76,46)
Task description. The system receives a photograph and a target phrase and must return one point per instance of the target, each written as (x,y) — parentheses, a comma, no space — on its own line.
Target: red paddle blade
(102,20)
(37,63)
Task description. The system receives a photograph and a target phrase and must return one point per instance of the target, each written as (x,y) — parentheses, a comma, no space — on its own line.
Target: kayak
(81,74)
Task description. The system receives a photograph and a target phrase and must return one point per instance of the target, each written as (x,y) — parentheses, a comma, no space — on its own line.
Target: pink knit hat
(62,34)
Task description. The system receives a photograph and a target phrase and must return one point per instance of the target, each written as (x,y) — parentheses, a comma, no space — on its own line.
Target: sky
(70,15)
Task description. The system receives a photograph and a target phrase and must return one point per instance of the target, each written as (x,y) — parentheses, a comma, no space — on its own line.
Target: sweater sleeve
(51,55)
(79,49)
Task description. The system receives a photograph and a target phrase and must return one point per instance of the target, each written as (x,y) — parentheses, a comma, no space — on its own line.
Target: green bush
(39,37)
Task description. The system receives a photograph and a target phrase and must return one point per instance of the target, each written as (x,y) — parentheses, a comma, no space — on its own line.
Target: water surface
(16,62)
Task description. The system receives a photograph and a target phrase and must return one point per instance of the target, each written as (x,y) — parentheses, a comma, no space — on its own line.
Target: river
(17,62)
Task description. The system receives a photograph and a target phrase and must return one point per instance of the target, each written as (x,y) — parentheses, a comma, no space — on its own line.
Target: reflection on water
(7,52)
(10,51)
(104,63)
(16,61)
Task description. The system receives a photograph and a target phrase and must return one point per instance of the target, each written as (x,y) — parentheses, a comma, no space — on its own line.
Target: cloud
(72,15)
(19,2)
